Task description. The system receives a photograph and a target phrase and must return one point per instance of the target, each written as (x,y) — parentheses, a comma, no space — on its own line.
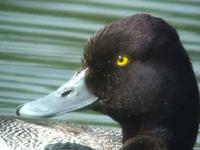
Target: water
(41,43)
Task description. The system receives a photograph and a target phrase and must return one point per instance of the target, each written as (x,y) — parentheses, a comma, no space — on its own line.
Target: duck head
(136,71)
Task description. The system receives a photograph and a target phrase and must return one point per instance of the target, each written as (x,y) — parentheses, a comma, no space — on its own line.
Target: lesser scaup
(136,71)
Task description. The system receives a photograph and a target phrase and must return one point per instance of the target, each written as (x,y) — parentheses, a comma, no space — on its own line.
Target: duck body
(136,71)
(41,135)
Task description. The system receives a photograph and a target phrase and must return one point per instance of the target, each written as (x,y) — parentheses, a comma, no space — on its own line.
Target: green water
(41,43)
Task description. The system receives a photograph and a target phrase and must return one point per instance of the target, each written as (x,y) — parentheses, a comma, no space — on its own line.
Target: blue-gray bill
(72,96)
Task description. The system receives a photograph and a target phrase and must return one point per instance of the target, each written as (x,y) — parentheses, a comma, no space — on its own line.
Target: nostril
(65,93)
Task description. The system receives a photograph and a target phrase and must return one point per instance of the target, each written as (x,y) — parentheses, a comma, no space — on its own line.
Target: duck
(136,71)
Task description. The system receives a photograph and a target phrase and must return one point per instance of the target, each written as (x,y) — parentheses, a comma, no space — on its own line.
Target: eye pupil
(121,59)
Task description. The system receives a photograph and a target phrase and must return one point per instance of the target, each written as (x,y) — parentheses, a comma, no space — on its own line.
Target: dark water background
(41,43)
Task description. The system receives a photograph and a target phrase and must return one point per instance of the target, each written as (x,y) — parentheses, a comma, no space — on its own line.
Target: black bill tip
(18,109)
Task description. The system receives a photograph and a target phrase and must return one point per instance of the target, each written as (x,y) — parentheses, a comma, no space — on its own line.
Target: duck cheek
(95,84)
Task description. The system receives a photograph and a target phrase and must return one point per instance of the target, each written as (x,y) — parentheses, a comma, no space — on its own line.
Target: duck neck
(134,130)
(129,130)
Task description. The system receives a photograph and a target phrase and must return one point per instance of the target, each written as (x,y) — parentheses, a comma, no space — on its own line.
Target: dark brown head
(155,87)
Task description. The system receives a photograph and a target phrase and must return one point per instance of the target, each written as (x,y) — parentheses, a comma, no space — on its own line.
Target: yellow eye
(122,61)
